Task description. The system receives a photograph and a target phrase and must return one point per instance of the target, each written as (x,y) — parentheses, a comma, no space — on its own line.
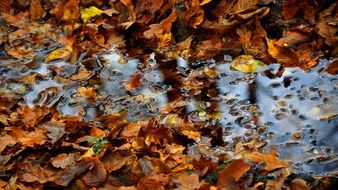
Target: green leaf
(247,64)
(88,13)
(93,139)
(97,147)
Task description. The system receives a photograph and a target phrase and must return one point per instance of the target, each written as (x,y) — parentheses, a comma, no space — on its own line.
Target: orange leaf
(36,10)
(163,27)
(236,169)
(283,55)
(271,160)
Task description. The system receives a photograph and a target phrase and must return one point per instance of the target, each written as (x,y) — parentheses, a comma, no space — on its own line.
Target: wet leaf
(247,64)
(283,55)
(60,53)
(236,169)
(271,160)
(88,13)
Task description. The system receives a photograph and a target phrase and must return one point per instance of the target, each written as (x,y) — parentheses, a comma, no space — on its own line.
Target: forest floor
(168,94)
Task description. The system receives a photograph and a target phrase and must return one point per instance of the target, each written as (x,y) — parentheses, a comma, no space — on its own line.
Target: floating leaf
(247,64)
(60,53)
(88,13)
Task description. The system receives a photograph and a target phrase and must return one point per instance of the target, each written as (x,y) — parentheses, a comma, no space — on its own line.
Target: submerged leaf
(247,64)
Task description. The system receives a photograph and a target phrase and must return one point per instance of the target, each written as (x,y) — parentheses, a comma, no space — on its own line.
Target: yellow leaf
(247,64)
(90,152)
(61,53)
(88,13)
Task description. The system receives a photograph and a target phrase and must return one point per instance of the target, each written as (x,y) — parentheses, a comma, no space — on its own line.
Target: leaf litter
(168,94)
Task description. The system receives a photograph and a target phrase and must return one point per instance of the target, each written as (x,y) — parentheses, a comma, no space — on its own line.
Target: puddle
(294,113)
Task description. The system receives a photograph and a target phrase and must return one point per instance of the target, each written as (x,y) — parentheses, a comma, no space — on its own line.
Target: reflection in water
(294,113)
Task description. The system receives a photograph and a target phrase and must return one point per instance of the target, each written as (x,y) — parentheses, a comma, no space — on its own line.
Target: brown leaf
(333,68)
(153,182)
(208,48)
(36,10)
(115,160)
(29,139)
(63,160)
(96,176)
(193,17)
(328,27)
(56,130)
(283,55)
(292,39)
(187,181)
(242,5)
(149,5)
(134,82)
(66,176)
(163,27)
(252,36)
(31,116)
(236,169)
(86,92)
(6,140)
(271,160)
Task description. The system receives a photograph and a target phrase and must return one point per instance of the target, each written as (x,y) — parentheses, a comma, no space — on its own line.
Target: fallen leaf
(70,10)
(63,160)
(60,53)
(153,182)
(333,68)
(36,10)
(284,55)
(247,64)
(134,82)
(236,169)
(6,140)
(163,27)
(31,116)
(96,176)
(88,13)
(66,176)
(29,139)
(86,92)
(187,181)
(55,130)
(271,160)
